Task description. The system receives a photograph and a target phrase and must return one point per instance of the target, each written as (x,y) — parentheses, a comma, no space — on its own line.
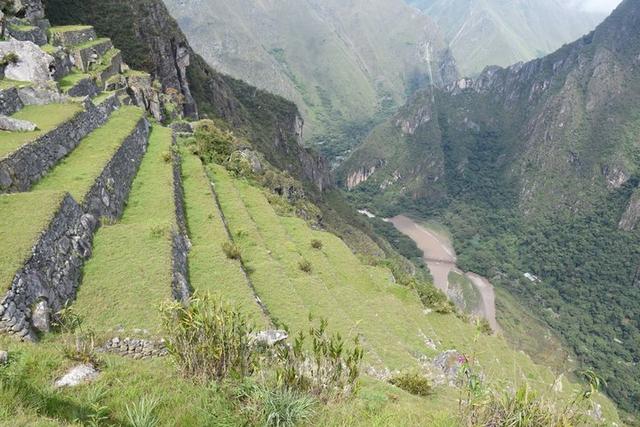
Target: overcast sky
(604,6)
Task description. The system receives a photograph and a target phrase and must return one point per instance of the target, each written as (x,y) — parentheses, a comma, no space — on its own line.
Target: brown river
(440,257)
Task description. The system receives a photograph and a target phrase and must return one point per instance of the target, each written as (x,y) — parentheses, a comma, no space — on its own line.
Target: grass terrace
(267,274)
(20,228)
(67,28)
(72,79)
(77,172)
(9,84)
(130,272)
(209,268)
(91,43)
(46,117)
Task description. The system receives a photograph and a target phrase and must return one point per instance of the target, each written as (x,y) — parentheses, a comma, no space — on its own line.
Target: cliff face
(152,41)
(330,57)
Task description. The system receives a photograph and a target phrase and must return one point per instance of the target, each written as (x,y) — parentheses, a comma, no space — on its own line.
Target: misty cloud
(602,6)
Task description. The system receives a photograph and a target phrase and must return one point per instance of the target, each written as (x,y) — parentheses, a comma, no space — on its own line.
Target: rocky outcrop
(631,216)
(24,167)
(52,273)
(31,63)
(17,30)
(78,375)
(15,125)
(359,176)
(108,195)
(140,89)
(32,10)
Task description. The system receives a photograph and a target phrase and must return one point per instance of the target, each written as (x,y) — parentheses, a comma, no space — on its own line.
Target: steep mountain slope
(137,219)
(152,41)
(498,32)
(340,62)
(535,167)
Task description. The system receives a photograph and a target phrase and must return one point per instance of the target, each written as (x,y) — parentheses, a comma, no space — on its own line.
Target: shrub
(305,266)
(412,382)
(9,58)
(209,339)
(142,413)
(81,347)
(167,157)
(330,371)
(231,250)
(523,407)
(433,297)
(484,326)
(213,144)
(316,244)
(67,320)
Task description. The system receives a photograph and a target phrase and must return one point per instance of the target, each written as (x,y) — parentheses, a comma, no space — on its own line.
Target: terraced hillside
(104,217)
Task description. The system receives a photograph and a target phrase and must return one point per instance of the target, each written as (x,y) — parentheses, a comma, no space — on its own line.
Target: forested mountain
(341,62)
(503,32)
(536,168)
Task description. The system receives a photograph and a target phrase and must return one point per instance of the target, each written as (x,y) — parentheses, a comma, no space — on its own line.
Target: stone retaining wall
(180,240)
(25,166)
(52,273)
(10,101)
(108,196)
(136,348)
(84,87)
(72,38)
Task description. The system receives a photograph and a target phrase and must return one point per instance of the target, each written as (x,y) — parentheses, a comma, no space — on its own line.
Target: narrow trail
(440,257)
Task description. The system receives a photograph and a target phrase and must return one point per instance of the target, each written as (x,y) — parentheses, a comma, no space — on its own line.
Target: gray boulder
(41,316)
(4,357)
(77,375)
(269,338)
(33,64)
(15,125)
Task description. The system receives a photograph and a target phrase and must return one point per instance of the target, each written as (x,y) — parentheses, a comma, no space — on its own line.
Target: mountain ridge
(533,167)
(490,32)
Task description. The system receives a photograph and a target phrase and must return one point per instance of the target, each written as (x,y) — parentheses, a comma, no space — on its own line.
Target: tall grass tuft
(524,407)
(330,371)
(209,339)
(142,413)
(276,406)
(231,250)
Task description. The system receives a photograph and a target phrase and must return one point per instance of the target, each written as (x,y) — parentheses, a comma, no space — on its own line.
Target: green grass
(90,43)
(129,274)
(70,80)
(68,28)
(21,227)
(101,97)
(50,49)
(209,268)
(46,117)
(77,173)
(8,84)
(357,297)
(105,61)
